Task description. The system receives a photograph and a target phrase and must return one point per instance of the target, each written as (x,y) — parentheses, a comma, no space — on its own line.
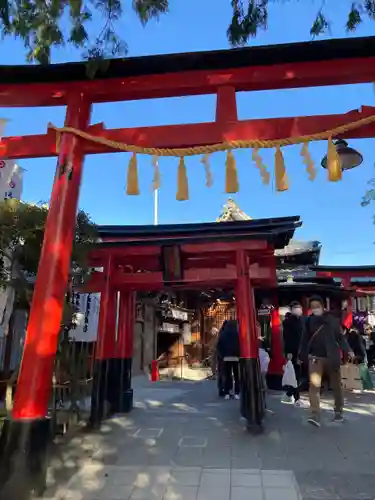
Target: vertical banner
(11,180)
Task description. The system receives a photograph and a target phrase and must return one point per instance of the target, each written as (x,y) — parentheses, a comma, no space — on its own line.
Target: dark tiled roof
(353,269)
(232,212)
(296,247)
(277,231)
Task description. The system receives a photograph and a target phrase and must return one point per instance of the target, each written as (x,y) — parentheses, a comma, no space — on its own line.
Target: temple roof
(232,212)
(277,230)
(297,247)
(352,269)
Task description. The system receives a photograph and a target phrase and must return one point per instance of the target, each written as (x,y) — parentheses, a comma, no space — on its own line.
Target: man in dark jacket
(320,348)
(228,349)
(293,326)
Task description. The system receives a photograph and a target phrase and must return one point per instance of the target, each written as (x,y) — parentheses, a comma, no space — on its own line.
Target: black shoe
(314,421)
(338,417)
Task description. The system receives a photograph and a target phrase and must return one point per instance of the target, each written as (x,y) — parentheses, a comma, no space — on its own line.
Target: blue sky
(331,212)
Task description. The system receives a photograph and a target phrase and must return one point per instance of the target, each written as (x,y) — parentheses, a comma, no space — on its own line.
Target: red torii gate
(222,73)
(346,274)
(231,255)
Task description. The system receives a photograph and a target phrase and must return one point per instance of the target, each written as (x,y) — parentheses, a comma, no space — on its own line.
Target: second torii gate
(232,255)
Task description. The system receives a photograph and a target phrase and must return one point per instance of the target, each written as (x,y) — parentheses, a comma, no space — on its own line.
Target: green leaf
(354,18)
(320,25)
(75,7)
(149,9)
(78,35)
(246,22)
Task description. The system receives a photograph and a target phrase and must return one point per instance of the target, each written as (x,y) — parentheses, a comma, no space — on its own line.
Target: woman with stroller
(369,338)
(358,345)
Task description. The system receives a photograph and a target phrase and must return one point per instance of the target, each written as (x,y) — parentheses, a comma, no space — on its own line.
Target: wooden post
(25,435)
(252,398)
(124,351)
(104,388)
(348,314)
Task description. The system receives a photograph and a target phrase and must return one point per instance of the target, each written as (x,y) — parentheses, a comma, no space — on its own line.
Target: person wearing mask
(228,349)
(293,326)
(320,347)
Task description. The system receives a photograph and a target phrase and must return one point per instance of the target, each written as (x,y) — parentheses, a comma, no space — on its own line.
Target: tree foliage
(45,24)
(21,237)
(251,15)
(369,196)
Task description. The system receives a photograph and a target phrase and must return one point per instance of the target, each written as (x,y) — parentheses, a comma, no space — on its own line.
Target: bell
(349,157)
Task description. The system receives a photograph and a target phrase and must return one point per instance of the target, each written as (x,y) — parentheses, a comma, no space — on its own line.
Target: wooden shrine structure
(234,255)
(25,434)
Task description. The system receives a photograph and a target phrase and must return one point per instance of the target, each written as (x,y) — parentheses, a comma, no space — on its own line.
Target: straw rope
(214,148)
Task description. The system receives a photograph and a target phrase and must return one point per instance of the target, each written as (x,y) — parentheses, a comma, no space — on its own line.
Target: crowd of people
(315,346)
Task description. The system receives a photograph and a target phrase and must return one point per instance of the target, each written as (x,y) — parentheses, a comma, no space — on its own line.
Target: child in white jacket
(264,361)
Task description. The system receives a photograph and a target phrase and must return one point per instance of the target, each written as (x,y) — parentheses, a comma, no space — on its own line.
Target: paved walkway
(183,443)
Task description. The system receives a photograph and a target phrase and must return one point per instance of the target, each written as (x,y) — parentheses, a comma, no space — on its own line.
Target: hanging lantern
(349,157)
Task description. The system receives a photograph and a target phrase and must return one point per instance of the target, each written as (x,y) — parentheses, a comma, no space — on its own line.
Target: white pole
(156,206)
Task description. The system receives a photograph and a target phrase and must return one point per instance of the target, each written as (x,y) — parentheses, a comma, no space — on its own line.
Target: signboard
(295,274)
(11,180)
(178,314)
(170,328)
(264,311)
(186,333)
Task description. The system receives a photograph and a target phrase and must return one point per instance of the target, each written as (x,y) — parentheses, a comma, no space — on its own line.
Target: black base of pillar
(126,401)
(111,392)
(274,381)
(252,394)
(99,396)
(23,458)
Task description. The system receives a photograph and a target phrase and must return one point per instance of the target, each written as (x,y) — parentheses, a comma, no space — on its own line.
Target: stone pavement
(183,443)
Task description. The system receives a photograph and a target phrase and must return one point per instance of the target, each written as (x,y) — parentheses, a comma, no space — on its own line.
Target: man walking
(320,347)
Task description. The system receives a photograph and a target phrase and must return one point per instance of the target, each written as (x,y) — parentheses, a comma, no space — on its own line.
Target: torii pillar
(125,342)
(347,319)
(26,433)
(252,397)
(103,399)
